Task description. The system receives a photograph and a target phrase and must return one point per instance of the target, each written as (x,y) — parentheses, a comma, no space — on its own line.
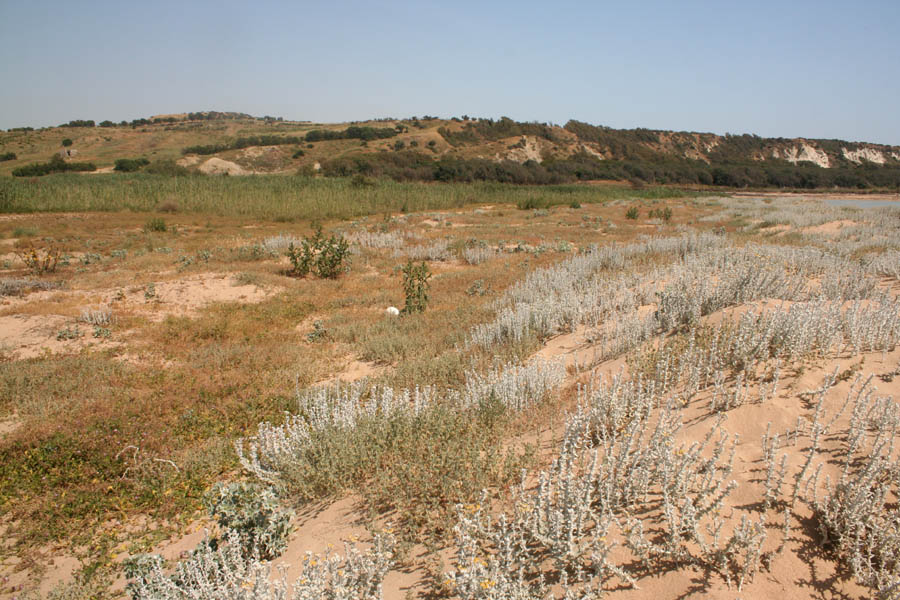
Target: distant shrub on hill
(79,123)
(107,123)
(67,142)
(7,156)
(488,129)
(129,165)
(245,142)
(407,165)
(167,167)
(352,133)
(55,165)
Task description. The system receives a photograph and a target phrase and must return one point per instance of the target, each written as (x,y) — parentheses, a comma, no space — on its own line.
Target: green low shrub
(130,165)
(415,287)
(157,224)
(252,511)
(326,257)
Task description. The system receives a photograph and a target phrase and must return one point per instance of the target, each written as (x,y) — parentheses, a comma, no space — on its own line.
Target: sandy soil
(217,166)
(29,335)
(830,228)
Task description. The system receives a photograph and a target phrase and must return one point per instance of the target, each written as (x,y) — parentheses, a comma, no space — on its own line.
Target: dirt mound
(217,166)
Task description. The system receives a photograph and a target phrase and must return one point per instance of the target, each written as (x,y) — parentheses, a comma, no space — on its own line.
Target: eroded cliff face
(803,152)
(866,154)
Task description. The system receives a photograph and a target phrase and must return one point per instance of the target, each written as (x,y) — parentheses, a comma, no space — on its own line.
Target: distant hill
(432,149)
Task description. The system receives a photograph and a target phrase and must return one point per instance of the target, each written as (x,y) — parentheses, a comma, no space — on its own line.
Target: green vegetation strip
(285,198)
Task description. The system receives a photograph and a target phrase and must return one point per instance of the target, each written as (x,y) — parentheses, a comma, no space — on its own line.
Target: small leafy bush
(319,332)
(156,224)
(252,511)
(326,257)
(130,165)
(360,181)
(7,156)
(166,167)
(532,203)
(661,213)
(67,142)
(415,287)
(632,213)
(40,261)
(55,165)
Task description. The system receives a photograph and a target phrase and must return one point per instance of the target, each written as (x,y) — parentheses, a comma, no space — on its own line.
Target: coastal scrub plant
(40,261)
(326,257)
(252,511)
(415,287)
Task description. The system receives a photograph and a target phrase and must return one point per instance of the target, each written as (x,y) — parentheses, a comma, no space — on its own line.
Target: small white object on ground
(393,311)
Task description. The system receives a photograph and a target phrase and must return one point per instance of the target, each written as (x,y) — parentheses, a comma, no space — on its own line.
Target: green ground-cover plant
(274,196)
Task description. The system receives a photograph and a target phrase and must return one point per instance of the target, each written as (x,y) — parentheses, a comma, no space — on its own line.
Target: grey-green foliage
(225,573)
(858,515)
(252,511)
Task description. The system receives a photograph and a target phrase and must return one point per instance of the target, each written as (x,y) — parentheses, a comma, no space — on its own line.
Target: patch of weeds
(17,287)
(69,333)
(361,181)
(632,213)
(661,213)
(155,225)
(102,332)
(532,203)
(119,254)
(245,278)
(252,252)
(101,316)
(40,260)
(20,232)
(89,258)
(318,333)
(478,288)
(183,263)
(150,292)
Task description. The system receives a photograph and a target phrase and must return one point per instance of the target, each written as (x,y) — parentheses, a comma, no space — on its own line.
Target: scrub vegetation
(591,391)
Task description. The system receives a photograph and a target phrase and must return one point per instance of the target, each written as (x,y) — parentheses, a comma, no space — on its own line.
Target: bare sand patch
(354,370)
(217,166)
(830,228)
(187,296)
(28,336)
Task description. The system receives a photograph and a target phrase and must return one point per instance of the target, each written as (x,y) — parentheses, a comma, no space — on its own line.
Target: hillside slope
(460,149)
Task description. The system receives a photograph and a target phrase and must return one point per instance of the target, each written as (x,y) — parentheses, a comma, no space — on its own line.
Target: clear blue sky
(788,68)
